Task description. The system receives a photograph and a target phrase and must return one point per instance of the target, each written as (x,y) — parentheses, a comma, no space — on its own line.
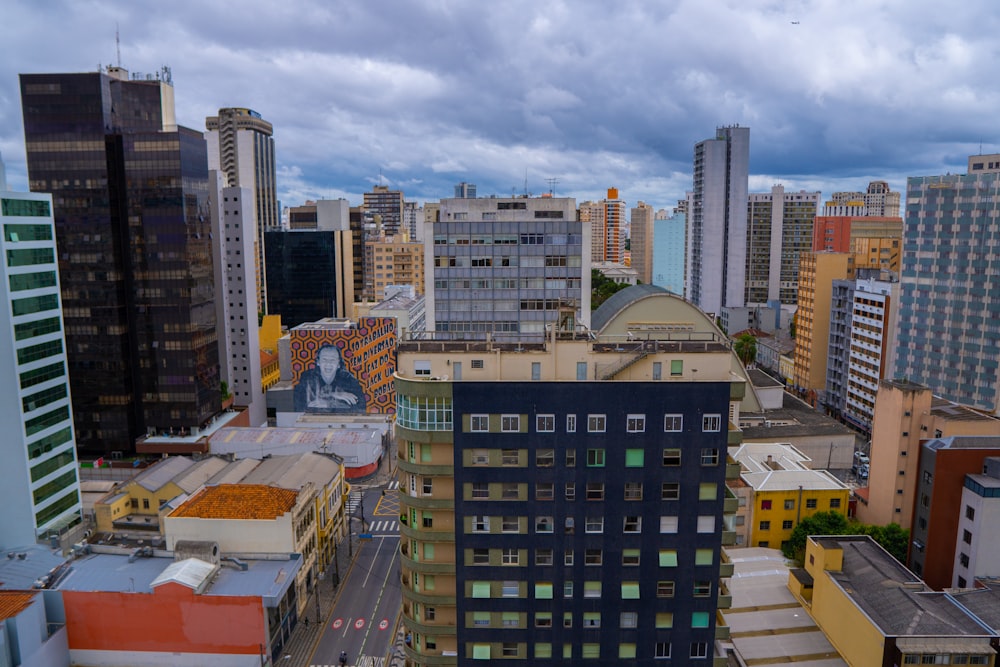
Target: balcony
(728,538)
(731,503)
(726,570)
(733,470)
(725,601)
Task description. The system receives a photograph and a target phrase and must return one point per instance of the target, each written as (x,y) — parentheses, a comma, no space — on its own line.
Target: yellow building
(817,272)
(781,490)
(392,261)
(875,612)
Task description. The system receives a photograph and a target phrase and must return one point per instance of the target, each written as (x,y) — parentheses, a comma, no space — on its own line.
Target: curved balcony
(426,534)
(430,660)
(439,600)
(425,468)
(426,502)
(425,567)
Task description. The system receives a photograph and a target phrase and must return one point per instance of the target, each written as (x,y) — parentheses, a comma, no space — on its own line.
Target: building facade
(386,206)
(614,227)
(391,260)
(135,259)
(40,492)
(951,264)
(668,251)
(779,231)
(241,148)
(717,220)
(877,200)
(979,526)
(553,518)
(642,241)
(817,272)
(309,275)
(504,267)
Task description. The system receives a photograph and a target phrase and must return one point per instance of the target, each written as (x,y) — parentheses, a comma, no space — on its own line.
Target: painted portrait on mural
(328,386)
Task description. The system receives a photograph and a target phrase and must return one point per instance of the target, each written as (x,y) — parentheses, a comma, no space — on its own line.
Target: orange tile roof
(13,603)
(238,501)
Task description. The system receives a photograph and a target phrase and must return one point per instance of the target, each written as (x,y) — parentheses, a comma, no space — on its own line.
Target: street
(364,615)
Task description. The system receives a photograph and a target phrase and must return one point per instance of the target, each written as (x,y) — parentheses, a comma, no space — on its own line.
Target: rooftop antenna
(118,46)
(525,181)
(553,182)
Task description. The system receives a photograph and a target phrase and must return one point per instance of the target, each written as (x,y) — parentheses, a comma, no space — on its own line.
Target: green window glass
(703,557)
(42,398)
(480,589)
(58,507)
(50,488)
(40,375)
(34,304)
(595,458)
(634,458)
(49,442)
(543,650)
(51,465)
(591,589)
(481,618)
(567,650)
(23,281)
(699,619)
(36,328)
(480,651)
(668,558)
(35,208)
(42,422)
(708,491)
(30,256)
(677,367)
(425,453)
(591,651)
(511,619)
(39,351)
(665,619)
(15,233)
(543,591)
(630,590)
(428,551)
(626,650)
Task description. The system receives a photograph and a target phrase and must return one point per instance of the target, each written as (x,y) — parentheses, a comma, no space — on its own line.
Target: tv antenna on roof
(118,46)
(553,182)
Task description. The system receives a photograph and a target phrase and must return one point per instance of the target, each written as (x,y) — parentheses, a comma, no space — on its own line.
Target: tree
(602,287)
(746,348)
(820,523)
(894,538)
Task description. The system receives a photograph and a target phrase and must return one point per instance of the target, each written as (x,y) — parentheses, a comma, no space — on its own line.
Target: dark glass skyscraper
(302,274)
(130,190)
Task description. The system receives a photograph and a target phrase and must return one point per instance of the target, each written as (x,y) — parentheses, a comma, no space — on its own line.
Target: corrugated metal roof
(198,475)
(238,501)
(190,572)
(620,300)
(156,477)
(295,471)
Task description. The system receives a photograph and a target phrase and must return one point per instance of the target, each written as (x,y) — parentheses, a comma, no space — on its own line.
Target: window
(672,456)
(593,557)
(429,613)
(570,523)
(543,524)
(633,490)
(509,457)
(595,458)
(787,524)
(480,457)
(662,650)
(664,619)
(510,491)
(703,588)
(765,525)
(834,503)
(626,650)
(708,491)
(963,560)
(668,524)
(543,556)
(810,503)
(509,649)
(632,524)
(479,423)
(545,491)
(657,370)
(509,524)
(699,619)
(543,619)
(595,491)
(630,590)
(668,557)
(628,619)
(509,556)
(568,589)
(765,504)
(634,458)
(480,490)
(970,513)
(510,589)
(567,622)
(673,423)
(510,423)
(571,423)
(428,520)
(591,589)
(480,556)
(704,556)
(427,485)
(596,423)
(967,537)
(570,491)
(709,456)
(545,423)
(480,589)
(536,371)
(568,557)
(664,589)
(789,504)
(670,491)
(581,370)
(635,423)
(699,649)
(706,524)
(711,423)
(421,368)
(480,524)
(595,524)
(630,556)
(677,367)
(570,458)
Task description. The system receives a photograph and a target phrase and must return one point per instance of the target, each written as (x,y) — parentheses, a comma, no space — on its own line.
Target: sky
(571,97)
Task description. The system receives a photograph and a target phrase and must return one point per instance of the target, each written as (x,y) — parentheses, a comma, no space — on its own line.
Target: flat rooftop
(793,419)
(941,407)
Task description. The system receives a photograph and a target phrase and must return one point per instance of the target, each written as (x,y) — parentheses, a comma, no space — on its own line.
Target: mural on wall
(345,371)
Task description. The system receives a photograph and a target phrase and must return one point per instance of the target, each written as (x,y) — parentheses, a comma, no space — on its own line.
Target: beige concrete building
(642,242)
(817,273)
(391,260)
(592,212)
(905,414)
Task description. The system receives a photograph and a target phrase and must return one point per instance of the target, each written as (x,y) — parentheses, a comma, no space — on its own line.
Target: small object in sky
(795,22)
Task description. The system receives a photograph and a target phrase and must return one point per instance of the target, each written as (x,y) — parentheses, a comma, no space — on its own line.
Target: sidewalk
(304,639)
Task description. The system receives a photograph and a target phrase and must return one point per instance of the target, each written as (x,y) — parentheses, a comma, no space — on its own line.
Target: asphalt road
(363,620)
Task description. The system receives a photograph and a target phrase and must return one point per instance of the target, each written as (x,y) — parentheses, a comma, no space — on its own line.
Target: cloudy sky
(423,94)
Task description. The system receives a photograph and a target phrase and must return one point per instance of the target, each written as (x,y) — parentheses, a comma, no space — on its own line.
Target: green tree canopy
(892,538)
(746,348)
(602,287)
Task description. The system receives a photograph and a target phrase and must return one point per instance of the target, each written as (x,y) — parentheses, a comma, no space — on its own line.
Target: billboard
(339,370)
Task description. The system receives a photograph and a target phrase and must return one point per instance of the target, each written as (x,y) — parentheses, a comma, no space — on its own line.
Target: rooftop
(941,407)
(965,442)
(20,568)
(984,602)
(762,379)
(13,603)
(793,419)
(238,501)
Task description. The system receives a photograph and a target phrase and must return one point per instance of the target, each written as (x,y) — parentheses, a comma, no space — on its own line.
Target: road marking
(336,624)
(384,624)
(358,624)
(393,485)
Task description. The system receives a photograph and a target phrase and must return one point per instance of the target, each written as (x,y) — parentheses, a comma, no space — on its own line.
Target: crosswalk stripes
(393,485)
(391,526)
(353,502)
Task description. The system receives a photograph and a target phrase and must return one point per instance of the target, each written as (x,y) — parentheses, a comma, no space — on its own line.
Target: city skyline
(510,96)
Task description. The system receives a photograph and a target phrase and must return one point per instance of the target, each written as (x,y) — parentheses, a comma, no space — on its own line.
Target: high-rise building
(669,238)
(392,261)
(505,267)
(613,210)
(133,228)
(3,174)
(241,147)
(717,220)
(642,241)
(311,269)
(878,200)
(386,206)
(951,273)
(779,230)
(591,213)
(40,489)
(816,275)
(975,553)
(465,190)
(570,502)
